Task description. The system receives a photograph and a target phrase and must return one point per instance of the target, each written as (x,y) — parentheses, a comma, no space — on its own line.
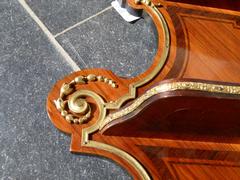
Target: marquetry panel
(221,52)
(208,44)
(193,163)
(187,169)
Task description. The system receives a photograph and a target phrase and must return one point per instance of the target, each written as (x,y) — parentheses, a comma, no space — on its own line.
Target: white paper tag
(123,12)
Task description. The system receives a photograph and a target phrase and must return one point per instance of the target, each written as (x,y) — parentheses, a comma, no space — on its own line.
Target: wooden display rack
(178,120)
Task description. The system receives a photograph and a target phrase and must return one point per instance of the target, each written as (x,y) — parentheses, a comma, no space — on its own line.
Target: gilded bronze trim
(132,87)
(174,86)
(130,159)
(94,144)
(117,104)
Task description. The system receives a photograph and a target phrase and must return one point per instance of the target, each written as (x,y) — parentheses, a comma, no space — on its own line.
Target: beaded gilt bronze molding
(174,86)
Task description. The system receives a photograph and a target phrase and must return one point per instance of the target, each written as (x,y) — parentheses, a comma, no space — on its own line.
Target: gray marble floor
(108,42)
(93,35)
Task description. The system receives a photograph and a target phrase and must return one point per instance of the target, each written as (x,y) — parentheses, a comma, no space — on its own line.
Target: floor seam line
(83,21)
(50,36)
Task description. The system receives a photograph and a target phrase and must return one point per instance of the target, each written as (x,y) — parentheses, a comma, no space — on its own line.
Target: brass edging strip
(166,87)
(106,147)
(132,87)
(124,155)
(132,94)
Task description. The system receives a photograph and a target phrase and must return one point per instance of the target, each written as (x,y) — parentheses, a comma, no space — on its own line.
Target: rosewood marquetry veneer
(180,119)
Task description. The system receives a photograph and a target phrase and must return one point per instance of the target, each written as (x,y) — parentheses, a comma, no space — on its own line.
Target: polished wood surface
(179,134)
(231,5)
(182,115)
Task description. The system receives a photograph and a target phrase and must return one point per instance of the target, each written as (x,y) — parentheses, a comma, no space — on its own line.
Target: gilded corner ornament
(76,109)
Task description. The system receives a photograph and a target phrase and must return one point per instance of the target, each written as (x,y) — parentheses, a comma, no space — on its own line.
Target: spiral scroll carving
(76,109)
